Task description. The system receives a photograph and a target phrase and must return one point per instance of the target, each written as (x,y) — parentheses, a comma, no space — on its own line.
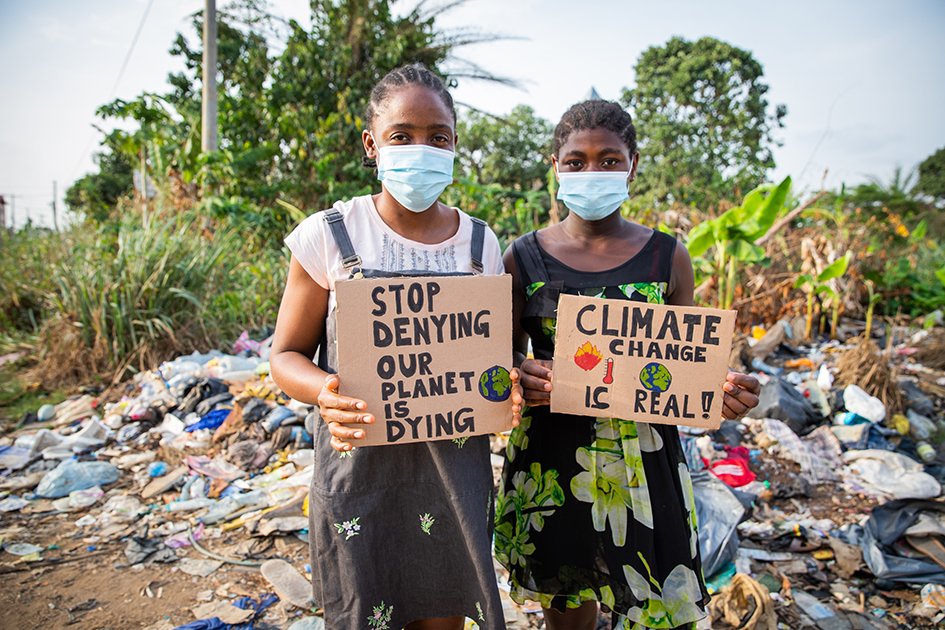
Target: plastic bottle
(157,469)
(304,457)
(926,451)
(220,511)
(199,489)
(191,504)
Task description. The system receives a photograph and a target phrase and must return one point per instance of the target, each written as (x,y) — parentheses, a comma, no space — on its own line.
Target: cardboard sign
(429,355)
(638,361)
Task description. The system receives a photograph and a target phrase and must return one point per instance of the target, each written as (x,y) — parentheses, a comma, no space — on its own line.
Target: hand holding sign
(338,411)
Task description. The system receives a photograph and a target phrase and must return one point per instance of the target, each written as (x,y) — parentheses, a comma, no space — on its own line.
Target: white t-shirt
(382,248)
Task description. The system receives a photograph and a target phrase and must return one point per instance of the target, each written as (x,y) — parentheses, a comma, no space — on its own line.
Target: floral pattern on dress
(460,441)
(349,528)
(532,498)
(426,522)
(668,606)
(655,292)
(613,479)
(518,438)
(380,619)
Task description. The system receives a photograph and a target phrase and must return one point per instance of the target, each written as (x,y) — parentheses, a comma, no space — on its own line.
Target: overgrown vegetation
(139,278)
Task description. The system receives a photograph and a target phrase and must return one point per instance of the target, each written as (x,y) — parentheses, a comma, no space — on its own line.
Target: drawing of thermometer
(609,377)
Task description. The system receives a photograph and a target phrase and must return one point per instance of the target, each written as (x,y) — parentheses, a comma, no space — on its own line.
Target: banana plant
(815,285)
(733,234)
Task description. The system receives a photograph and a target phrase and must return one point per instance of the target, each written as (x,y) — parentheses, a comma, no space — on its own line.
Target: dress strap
(531,266)
(478,236)
(667,251)
(335,220)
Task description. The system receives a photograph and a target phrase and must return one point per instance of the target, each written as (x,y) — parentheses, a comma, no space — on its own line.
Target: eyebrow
(605,150)
(412,126)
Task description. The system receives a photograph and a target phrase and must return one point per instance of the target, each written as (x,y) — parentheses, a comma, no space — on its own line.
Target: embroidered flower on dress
(426,522)
(380,620)
(349,528)
(346,453)
(479,610)
(460,441)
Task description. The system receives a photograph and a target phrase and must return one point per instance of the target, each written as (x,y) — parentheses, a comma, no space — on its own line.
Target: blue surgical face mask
(593,195)
(415,174)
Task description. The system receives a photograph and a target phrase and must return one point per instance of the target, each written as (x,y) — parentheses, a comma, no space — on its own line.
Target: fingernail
(729,387)
(361,405)
(359,434)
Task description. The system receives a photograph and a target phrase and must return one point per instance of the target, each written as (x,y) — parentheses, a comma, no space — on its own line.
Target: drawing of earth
(495,384)
(655,377)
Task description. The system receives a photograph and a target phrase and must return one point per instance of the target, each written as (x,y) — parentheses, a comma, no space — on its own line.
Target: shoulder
(491,250)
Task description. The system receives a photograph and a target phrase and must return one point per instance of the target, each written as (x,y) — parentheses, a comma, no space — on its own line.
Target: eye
(574,165)
(399,137)
(610,162)
(441,138)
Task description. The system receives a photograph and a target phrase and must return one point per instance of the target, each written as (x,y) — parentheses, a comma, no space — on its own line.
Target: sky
(863,81)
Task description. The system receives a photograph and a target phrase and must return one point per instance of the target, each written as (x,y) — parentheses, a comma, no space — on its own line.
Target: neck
(428,226)
(577,228)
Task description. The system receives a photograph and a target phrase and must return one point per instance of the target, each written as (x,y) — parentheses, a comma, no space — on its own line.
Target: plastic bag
(861,403)
(718,513)
(71,475)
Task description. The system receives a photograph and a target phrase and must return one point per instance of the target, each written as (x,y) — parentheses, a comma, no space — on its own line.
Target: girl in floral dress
(598,510)
(400,535)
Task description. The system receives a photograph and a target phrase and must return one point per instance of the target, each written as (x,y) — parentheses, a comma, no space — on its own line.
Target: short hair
(414,74)
(593,114)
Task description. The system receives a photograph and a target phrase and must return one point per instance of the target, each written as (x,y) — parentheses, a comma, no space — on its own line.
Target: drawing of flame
(587,357)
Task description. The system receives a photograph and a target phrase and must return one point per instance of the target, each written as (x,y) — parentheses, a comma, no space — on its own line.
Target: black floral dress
(598,508)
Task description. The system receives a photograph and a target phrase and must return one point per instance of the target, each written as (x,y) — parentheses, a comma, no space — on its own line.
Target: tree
(96,194)
(289,123)
(897,196)
(932,176)
(512,151)
(704,125)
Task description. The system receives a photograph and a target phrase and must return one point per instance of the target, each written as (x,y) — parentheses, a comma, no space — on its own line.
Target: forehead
(413,105)
(594,140)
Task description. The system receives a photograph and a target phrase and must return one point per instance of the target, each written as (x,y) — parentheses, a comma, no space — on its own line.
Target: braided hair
(413,74)
(595,114)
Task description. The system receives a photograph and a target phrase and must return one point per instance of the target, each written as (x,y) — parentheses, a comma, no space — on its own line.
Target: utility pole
(208,136)
(54,222)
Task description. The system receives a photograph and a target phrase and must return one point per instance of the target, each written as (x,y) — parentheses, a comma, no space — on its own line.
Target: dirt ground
(95,588)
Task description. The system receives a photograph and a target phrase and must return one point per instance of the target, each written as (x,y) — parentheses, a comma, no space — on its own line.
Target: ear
(370,147)
(634,161)
(554,164)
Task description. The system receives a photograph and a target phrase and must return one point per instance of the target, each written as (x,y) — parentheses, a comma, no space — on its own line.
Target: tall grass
(127,301)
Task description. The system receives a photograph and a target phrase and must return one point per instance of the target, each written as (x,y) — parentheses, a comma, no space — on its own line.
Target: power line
(121,73)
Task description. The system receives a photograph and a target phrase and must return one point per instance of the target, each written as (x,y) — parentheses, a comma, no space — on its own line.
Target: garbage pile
(822,509)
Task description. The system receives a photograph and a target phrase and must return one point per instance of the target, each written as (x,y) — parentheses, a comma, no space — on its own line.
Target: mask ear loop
(369,162)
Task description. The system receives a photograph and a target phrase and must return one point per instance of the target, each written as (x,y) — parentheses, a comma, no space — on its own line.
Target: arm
(299,328)
(740,391)
(535,374)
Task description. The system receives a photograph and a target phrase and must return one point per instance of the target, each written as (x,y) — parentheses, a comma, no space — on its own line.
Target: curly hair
(592,115)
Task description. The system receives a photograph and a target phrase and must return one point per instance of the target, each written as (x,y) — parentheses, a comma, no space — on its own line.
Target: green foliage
(502,168)
(820,284)
(95,195)
(703,120)
(26,267)
(135,298)
(289,123)
(898,195)
(734,232)
(932,176)
(511,151)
